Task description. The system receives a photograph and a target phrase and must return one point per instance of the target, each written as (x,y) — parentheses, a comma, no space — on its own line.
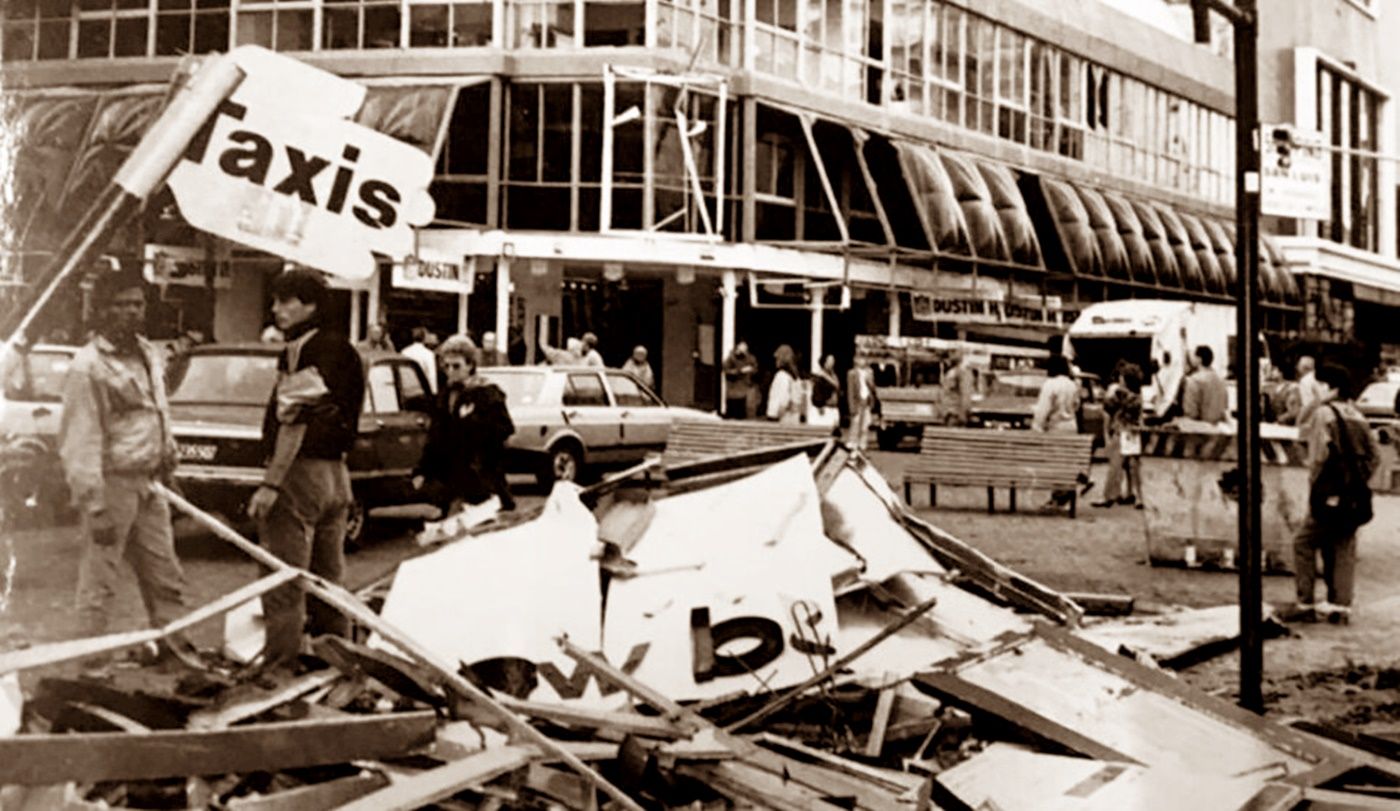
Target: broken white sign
(281,168)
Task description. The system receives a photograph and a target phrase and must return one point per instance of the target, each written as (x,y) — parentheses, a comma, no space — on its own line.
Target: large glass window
(191,26)
(1346,116)
(360,24)
(449,25)
(110,28)
(282,25)
(37,29)
(461,181)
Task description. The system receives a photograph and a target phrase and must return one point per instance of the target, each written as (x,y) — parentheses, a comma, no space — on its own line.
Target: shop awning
(1283,275)
(935,200)
(979,212)
(1192,277)
(1015,219)
(1155,232)
(1141,265)
(1111,248)
(1072,225)
(117,126)
(48,130)
(1222,238)
(1211,272)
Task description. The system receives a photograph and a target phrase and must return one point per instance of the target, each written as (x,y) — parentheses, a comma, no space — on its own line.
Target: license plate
(192,452)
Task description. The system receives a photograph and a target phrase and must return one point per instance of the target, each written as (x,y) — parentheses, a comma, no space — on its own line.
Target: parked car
(217,404)
(32,486)
(568,419)
(1380,404)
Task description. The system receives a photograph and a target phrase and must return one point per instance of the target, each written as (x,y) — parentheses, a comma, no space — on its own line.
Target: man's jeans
(306,528)
(1338,549)
(145,540)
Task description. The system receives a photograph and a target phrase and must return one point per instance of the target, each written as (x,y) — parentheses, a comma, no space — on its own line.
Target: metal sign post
(1244,16)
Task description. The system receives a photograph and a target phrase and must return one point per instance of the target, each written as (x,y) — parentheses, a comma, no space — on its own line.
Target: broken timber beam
(437,784)
(68,650)
(103,756)
(314,797)
(345,602)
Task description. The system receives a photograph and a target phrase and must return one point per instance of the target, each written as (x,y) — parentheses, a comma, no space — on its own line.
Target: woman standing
(826,395)
(1057,411)
(785,392)
(462,461)
(1124,437)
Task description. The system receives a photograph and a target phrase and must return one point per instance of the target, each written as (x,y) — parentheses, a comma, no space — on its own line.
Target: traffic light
(1283,147)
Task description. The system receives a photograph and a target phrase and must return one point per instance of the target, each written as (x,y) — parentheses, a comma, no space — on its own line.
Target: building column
(729,299)
(463,299)
(896,309)
(503,302)
(372,310)
(818,321)
(358,327)
(1385,182)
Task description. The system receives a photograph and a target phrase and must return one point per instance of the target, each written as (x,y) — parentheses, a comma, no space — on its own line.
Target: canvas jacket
(115,418)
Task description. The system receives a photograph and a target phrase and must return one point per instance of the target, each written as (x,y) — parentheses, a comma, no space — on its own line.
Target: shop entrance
(623,314)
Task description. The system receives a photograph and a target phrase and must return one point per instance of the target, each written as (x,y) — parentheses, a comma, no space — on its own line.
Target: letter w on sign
(281,168)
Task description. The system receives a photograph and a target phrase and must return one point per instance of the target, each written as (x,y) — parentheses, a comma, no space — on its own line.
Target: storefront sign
(965,308)
(173,264)
(281,168)
(425,273)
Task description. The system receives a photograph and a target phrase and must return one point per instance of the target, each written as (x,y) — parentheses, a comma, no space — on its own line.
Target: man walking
(113,442)
(1205,397)
(421,352)
(861,400)
(957,391)
(311,422)
(739,392)
(1342,455)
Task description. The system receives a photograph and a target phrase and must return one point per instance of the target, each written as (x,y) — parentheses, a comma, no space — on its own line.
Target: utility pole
(1244,17)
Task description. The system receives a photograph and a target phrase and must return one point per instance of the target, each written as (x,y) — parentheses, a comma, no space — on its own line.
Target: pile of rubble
(771,629)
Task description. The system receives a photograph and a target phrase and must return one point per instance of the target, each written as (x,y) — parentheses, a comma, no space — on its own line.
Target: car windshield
(1379,394)
(226,380)
(40,378)
(521,388)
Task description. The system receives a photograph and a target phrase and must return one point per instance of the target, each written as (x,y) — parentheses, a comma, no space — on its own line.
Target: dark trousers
(306,528)
(1337,548)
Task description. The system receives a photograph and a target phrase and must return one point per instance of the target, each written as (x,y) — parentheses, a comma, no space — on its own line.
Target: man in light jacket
(114,441)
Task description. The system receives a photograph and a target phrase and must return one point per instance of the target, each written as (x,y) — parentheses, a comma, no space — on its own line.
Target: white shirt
(425,359)
(593,358)
(1309,390)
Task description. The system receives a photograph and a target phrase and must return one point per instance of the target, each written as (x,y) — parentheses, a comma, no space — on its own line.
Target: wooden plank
(315,797)
(875,743)
(562,787)
(1324,800)
(101,756)
(630,723)
(959,691)
(150,710)
(249,704)
(394,672)
(68,650)
(754,785)
(888,779)
(432,785)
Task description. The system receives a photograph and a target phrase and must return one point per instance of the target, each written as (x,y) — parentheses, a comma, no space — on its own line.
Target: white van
(1151,332)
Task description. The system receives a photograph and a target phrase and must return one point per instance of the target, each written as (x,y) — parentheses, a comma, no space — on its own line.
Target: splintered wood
(907,673)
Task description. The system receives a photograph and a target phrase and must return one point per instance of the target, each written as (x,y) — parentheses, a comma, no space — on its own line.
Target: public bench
(692,440)
(979,457)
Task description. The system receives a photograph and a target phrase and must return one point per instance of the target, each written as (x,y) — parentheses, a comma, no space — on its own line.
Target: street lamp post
(1244,18)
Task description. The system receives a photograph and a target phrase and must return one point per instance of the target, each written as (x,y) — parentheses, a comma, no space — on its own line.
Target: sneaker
(1335,614)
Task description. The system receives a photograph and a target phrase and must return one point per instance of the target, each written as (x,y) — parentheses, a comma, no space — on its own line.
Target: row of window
(930,58)
(1347,117)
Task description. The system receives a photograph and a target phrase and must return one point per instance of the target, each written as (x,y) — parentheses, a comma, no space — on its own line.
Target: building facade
(682,174)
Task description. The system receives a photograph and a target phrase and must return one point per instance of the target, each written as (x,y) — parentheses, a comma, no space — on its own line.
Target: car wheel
(564,465)
(355,526)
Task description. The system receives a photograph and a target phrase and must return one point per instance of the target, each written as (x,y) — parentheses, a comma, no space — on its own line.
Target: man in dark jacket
(1338,437)
(311,423)
(463,460)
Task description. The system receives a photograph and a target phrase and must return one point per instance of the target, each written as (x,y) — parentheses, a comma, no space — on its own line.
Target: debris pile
(764,630)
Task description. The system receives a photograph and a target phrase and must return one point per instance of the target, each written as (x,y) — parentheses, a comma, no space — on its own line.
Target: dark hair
(109,283)
(306,285)
(1337,377)
(1132,377)
(420,333)
(1057,366)
(1205,354)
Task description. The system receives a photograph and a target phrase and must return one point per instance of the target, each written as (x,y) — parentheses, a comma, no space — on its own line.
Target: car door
(587,410)
(391,431)
(645,422)
(416,401)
